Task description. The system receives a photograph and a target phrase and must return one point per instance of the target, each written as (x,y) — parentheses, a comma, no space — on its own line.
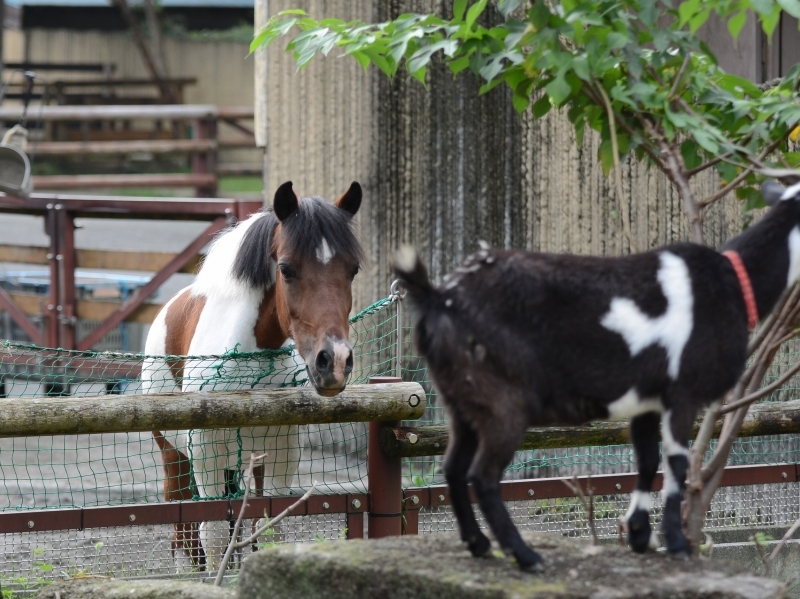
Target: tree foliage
(632,70)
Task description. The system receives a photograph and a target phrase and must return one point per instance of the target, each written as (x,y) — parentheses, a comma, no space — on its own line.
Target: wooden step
(62,182)
(100,148)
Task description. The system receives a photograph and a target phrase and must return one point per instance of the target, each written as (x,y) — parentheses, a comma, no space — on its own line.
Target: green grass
(240,184)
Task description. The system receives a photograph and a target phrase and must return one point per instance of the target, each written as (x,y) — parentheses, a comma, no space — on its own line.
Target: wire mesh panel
(732,507)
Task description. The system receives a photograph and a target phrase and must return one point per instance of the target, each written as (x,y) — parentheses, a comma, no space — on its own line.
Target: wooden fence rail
(26,417)
(780,418)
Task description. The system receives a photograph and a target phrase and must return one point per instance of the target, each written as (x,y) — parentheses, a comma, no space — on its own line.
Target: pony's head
(307,249)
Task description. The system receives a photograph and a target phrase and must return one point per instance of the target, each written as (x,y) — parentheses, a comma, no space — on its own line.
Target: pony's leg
(280,466)
(644,436)
(498,440)
(210,471)
(178,487)
(461,450)
(675,430)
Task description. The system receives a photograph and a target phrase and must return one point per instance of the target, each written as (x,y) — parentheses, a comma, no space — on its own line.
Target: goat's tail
(412,273)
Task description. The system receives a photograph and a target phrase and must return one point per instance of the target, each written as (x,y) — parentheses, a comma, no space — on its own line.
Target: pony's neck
(268,330)
(766,253)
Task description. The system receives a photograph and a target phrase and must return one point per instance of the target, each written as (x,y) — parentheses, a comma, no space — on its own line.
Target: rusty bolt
(356,504)
(49,206)
(413,400)
(618,487)
(441,497)
(132,517)
(412,438)
(30,524)
(414,500)
(530,492)
(326,505)
(784,475)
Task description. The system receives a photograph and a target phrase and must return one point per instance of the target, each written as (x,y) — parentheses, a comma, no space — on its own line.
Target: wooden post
(53,337)
(384,476)
(66,261)
(205,162)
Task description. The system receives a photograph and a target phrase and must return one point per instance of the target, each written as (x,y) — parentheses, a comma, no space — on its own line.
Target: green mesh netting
(87,470)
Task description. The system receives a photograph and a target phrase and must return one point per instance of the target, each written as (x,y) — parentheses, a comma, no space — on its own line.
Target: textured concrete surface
(438,567)
(97,588)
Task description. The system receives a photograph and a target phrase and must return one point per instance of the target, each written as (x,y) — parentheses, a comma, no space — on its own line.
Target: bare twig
(248,475)
(588,505)
(783,541)
(623,207)
(270,523)
(676,82)
(748,399)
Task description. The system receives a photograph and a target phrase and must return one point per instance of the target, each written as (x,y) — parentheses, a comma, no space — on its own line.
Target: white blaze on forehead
(671,330)
(794,256)
(324,252)
(632,404)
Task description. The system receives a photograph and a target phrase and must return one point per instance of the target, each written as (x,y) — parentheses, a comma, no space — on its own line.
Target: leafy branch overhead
(633,70)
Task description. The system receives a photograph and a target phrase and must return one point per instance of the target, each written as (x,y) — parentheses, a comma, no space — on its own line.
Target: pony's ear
(351,200)
(285,201)
(772,191)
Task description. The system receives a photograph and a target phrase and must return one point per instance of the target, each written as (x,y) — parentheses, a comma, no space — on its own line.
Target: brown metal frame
(60,212)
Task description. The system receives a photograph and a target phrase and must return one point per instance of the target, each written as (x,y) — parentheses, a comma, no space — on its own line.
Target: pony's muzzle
(332,367)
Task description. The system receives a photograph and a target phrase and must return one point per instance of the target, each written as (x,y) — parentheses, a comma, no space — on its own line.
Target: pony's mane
(238,261)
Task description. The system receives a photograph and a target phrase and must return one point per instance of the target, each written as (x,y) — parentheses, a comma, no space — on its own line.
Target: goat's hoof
(530,562)
(479,546)
(639,532)
(679,548)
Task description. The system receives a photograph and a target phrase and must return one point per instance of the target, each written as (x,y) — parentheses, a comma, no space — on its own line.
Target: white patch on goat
(671,330)
(790,192)
(324,252)
(632,404)
(794,256)
(215,278)
(640,500)
(670,447)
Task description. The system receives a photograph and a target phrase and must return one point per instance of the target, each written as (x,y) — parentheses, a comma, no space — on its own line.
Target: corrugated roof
(165,3)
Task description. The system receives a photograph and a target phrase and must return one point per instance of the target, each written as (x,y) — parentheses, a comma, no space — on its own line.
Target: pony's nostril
(348,365)
(324,362)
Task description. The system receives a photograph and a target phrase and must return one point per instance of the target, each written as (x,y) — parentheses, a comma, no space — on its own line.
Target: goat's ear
(351,200)
(772,191)
(285,202)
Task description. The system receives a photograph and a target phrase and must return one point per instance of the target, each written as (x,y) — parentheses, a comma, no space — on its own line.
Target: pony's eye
(287,271)
(354,272)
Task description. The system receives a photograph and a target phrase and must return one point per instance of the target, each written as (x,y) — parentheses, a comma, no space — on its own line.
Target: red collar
(747,287)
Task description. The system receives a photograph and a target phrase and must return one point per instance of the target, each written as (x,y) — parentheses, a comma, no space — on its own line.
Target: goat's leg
(675,429)
(644,436)
(496,448)
(461,450)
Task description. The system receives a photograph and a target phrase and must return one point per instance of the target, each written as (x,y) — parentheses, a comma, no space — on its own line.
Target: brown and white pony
(282,275)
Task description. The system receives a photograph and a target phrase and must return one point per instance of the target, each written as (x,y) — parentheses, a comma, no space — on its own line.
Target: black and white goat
(516,339)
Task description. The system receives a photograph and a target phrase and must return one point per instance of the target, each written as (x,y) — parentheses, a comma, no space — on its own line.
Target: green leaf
(791,6)
(736,23)
(459,6)
(458,65)
(691,157)
(361,58)
(753,200)
(606,155)
(687,10)
(293,11)
(727,171)
(474,12)
(705,140)
(521,102)
(507,6)
(558,90)
(542,106)
(419,75)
